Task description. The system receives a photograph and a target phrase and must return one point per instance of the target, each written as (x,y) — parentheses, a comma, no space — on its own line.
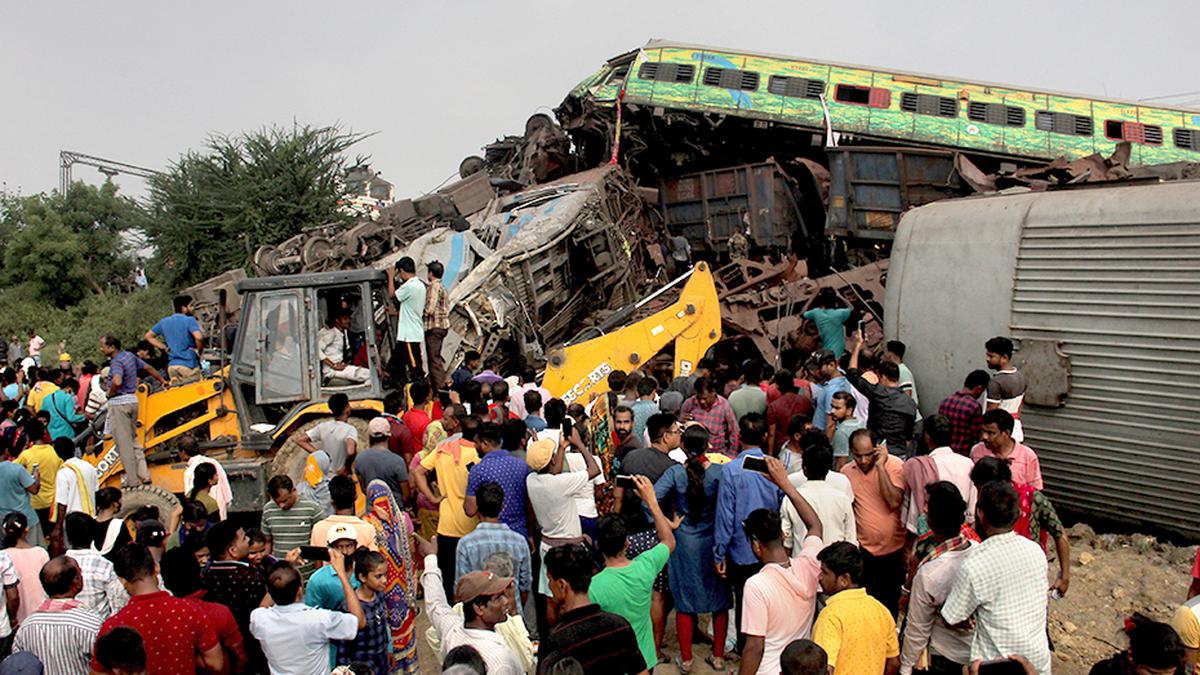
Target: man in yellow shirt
(41,454)
(855,630)
(450,462)
(48,381)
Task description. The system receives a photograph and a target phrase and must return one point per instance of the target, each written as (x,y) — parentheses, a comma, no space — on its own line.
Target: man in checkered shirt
(1003,584)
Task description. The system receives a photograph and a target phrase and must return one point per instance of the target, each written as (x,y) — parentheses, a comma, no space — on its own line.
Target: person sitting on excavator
(333,344)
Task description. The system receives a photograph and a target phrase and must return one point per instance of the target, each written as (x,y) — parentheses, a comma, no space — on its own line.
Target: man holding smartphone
(877,480)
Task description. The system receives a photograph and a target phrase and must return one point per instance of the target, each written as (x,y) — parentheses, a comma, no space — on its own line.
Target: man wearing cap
(832,381)
(379,462)
(324,589)
(552,495)
(485,600)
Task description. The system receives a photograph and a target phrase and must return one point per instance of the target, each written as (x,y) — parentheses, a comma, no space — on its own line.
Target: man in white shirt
(332,346)
(1002,584)
(949,647)
(221,493)
(830,496)
(942,463)
(75,484)
(103,591)
(295,637)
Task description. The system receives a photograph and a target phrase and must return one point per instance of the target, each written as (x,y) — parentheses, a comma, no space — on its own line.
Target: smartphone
(34,470)
(758,464)
(626,482)
(313,553)
(1004,667)
(566,428)
(470,465)
(862,323)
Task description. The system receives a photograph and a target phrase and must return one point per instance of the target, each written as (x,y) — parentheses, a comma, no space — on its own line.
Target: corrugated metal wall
(1115,275)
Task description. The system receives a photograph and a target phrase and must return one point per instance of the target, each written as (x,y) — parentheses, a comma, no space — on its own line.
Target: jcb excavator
(272,386)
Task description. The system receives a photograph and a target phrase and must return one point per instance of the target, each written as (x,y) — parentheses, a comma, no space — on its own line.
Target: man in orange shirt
(877,480)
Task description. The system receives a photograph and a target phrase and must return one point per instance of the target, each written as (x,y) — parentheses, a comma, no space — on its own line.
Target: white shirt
(332,344)
(924,627)
(835,479)
(66,485)
(585,506)
(954,468)
(553,498)
(1002,583)
(221,493)
(295,637)
(499,657)
(835,510)
(9,578)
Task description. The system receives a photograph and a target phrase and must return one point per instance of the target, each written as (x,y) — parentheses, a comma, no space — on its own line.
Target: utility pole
(108,167)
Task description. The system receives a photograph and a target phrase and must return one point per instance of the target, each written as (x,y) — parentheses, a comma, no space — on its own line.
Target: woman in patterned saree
(393,536)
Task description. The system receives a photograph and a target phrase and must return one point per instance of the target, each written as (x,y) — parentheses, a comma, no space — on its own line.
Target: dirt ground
(1112,576)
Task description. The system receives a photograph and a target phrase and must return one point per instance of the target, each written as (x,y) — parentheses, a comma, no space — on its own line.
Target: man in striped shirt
(61,631)
(288,520)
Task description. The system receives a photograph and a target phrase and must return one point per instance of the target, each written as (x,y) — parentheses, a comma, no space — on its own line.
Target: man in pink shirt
(877,480)
(780,600)
(998,442)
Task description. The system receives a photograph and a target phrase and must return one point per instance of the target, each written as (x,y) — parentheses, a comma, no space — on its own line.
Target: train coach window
(928,104)
(1134,132)
(1063,123)
(728,78)
(996,113)
(796,87)
(874,97)
(667,72)
(1188,139)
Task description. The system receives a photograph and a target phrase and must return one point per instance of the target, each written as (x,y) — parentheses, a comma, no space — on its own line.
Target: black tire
(290,458)
(470,166)
(135,498)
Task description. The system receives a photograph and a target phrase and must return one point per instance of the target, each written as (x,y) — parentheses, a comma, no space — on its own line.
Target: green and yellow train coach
(891,106)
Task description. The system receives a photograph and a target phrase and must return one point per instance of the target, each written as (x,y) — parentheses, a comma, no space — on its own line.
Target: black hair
(647,386)
(764,526)
(490,432)
(406,265)
(701,385)
(817,461)
(999,345)
(1001,418)
(843,558)
(803,657)
(977,378)
(611,535)
(989,469)
(554,411)
(752,371)
(221,536)
(205,476)
(888,371)
(471,355)
(107,497)
(16,525)
(79,529)
(393,403)
(565,665)
(512,434)
(255,535)
(419,391)
(695,444)
(189,445)
(194,512)
(436,269)
(896,347)
(469,427)
(70,384)
(64,447)
(180,571)
(181,301)
(342,492)
(785,381)
(947,508)
(500,391)
(338,404)
(112,341)
(659,424)
(278,484)
(624,410)
(939,430)
(464,655)
(798,425)
(533,401)
(146,512)
(860,433)
(752,429)
(1153,644)
(133,562)
(999,503)
(121,649)
(283,583)
(489,497)
(572,563)
(35,430)
(366,560)
(58,575)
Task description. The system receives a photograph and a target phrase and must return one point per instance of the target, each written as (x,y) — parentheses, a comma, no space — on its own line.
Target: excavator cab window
(281,349)
(344,336)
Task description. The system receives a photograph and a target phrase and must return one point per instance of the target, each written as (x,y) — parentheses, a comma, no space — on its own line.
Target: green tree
(211,209)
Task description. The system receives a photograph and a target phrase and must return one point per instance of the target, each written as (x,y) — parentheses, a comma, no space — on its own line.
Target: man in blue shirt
(181,339)
(740,492)
(832,381)
(498,466)
(123,408)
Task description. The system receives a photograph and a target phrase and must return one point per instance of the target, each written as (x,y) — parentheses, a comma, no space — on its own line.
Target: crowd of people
(800,520)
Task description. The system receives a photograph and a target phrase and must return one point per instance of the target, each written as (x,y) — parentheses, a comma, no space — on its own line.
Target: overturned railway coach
(1099,288)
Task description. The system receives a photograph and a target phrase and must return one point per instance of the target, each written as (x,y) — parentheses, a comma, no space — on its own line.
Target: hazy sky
(141,82)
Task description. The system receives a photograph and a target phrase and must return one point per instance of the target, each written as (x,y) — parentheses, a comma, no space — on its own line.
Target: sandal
(684,667)
(712,662)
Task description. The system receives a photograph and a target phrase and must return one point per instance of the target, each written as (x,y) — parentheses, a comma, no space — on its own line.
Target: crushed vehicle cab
(272,386)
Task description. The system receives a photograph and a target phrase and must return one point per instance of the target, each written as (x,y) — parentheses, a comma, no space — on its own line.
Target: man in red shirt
(181,575)
(791,403)
(402,441)
(421,413)
(175,632)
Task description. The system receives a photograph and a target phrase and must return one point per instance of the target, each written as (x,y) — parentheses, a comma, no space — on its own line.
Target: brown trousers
(433,351)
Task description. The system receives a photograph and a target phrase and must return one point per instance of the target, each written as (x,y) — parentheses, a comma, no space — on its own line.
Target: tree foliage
(213,208)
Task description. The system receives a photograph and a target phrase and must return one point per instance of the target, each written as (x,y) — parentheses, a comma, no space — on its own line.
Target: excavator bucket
(578,373)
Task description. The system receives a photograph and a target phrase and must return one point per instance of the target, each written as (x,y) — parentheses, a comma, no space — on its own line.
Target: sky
(143,81)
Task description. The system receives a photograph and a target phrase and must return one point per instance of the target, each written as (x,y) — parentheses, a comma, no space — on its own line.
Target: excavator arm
(578,373)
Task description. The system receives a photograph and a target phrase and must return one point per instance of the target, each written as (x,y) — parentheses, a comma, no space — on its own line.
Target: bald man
(60,632)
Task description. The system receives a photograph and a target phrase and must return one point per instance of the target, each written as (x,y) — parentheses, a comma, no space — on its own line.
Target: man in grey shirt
(337,437)
(378,462)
